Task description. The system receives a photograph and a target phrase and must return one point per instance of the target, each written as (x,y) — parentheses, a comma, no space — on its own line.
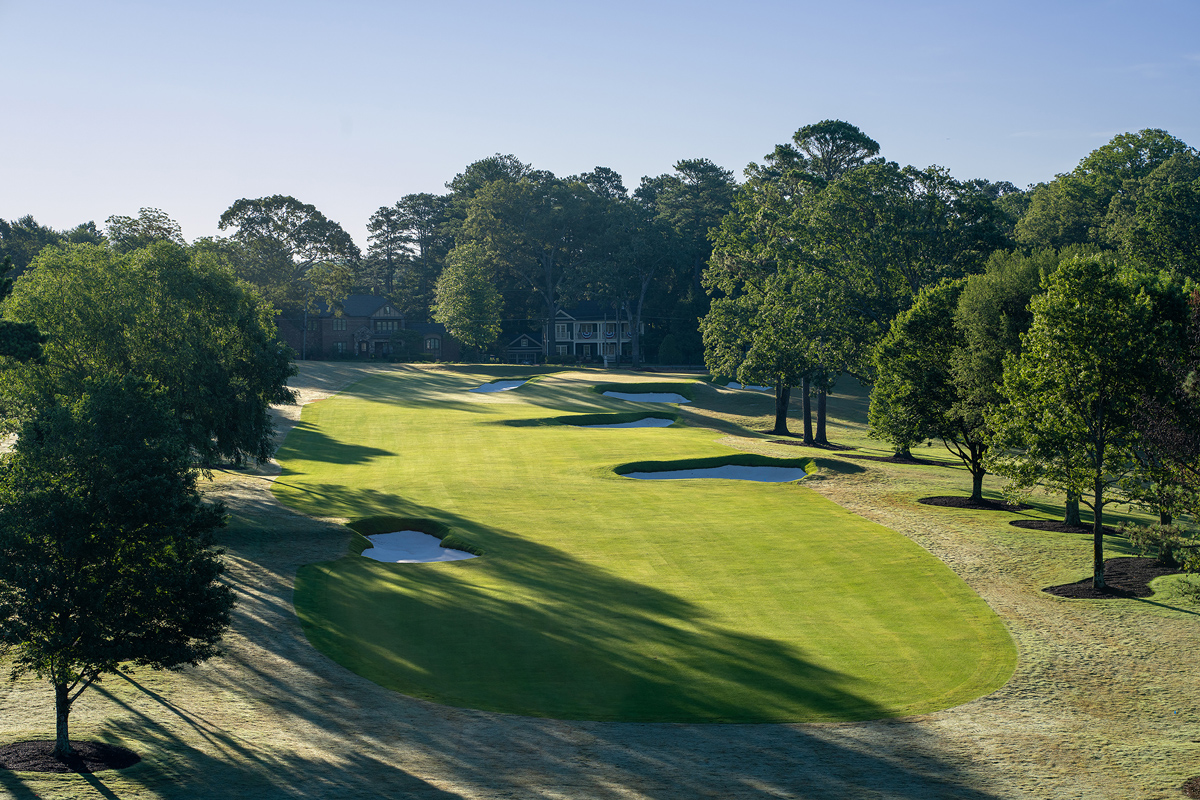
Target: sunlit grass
(603,597)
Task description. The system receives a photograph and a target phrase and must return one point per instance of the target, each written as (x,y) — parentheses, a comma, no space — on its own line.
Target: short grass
(605,598)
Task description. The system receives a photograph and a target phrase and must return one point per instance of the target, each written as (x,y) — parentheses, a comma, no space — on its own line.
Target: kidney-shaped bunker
(741,467)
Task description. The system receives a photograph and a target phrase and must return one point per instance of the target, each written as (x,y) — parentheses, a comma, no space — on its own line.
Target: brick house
(364,329)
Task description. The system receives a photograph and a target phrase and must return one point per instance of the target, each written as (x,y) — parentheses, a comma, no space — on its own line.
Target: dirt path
(1103,704)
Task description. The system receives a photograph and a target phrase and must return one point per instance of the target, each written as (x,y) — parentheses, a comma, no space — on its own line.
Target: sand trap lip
(647,422)
(729,472)
(736,385)
(499,386)
(649,397)
(411,547)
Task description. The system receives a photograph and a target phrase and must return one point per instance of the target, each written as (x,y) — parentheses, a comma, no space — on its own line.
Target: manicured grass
(607,598)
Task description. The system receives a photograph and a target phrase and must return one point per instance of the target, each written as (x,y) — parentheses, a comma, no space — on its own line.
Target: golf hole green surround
(685,388)
(370,526)
(604,598)
(741,460)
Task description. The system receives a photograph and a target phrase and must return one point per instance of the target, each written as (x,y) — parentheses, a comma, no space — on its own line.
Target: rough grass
(1104,703)
(607,599)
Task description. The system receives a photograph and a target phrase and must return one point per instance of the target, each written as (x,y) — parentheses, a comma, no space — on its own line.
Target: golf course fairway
(602,597)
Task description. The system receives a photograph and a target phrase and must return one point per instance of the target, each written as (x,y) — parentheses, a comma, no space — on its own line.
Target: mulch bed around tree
(945,501)
(898,460)
(38,756)
(1125,577)
(1058,526)
(1191,787)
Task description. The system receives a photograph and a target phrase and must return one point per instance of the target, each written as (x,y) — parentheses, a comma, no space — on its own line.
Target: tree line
(1048,334)
(504,248)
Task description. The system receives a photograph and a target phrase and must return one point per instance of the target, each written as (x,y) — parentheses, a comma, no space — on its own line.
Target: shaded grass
(604,600)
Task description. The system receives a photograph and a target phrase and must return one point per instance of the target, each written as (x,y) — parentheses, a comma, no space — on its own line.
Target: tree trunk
(821,395)
(1164,517)
(783,394)
(1071,517)
(808,429)
(62,710)
(1098,536)
(977,473)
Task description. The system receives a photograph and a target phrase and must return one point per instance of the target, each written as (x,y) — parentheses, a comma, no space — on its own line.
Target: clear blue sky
(116,105)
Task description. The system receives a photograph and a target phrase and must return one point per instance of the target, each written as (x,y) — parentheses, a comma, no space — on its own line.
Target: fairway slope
(612,599)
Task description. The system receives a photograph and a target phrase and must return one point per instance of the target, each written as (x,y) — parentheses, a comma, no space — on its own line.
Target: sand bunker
(736,385)
(730,472)
(649,397)
(411,547)
(498,386)
(648,422)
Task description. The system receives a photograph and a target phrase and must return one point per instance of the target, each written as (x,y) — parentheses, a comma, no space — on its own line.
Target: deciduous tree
(106,550)
(164,313)
(1072,396)
(468,303)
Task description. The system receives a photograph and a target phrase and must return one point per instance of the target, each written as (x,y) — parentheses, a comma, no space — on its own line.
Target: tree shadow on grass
(318,730)
(577,631)
(306,441)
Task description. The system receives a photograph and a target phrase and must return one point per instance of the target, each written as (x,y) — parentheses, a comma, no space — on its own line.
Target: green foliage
(467,301)
(280,240)
(1073,208)
(106,549)
(1091,352)
(1172,545)
(914,396)
(20,341)
(164,313)
(126,234)
(407,345)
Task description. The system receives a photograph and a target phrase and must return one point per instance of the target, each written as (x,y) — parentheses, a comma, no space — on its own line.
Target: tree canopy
(165,313)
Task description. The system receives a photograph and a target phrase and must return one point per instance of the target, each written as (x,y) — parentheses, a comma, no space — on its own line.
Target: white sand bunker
(736,385)
(649,397)
(648,422)
(730,472)
(499,386)
(411,547)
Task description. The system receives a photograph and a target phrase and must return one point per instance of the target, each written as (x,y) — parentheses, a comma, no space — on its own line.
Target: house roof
(587,309)
(359,305)
(534,339)
(427,327)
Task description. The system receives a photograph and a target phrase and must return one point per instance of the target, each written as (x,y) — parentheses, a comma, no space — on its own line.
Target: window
(388,311)
(587,330)
(433,343)
(610,330)
(339,324)
(561,349)
(339,347)
(385,325)
(610,349)
(313,323)
(561,331)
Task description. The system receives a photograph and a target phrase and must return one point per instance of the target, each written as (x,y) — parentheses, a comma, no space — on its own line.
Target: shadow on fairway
(306,442)
(578,652)
(352,738)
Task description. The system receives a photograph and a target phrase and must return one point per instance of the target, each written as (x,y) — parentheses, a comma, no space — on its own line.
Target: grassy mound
(741,460)
(685,388)
(609,599)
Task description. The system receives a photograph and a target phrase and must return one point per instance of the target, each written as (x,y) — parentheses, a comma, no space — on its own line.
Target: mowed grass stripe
(604,597)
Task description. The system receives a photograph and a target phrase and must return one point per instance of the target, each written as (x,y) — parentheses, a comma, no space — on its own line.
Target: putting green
(608,598)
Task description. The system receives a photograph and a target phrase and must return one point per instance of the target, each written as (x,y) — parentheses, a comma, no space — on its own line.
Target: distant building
(591,332)
(364,329)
